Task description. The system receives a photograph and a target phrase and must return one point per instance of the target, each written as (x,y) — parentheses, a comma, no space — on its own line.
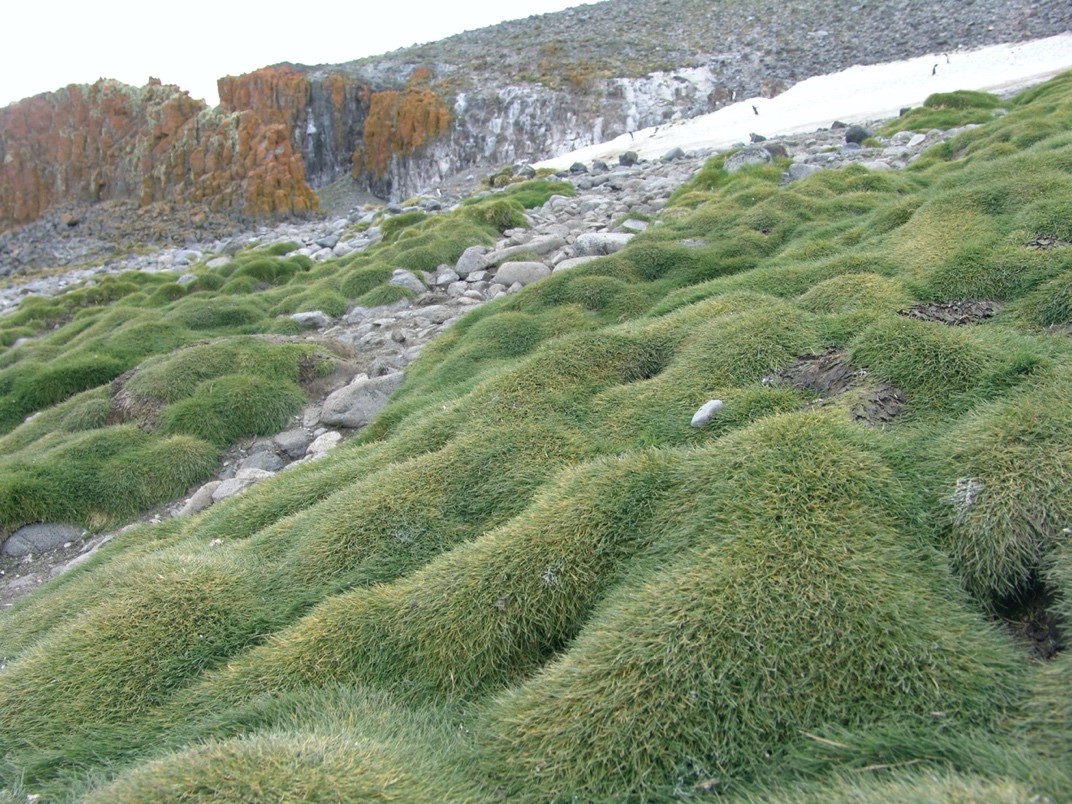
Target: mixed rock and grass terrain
(740,475)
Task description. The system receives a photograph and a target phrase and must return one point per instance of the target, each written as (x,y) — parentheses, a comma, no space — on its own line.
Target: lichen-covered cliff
(110,141)
(522,90)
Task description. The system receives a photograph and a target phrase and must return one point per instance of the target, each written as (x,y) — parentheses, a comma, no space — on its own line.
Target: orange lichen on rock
(110,141)
(400,123)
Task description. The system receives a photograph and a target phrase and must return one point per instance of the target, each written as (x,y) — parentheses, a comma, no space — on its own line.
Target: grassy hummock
(530,578)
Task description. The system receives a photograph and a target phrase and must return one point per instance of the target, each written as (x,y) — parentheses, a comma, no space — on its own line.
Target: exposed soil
(831,375)
(1030,619)
(1044,242)
(953,313)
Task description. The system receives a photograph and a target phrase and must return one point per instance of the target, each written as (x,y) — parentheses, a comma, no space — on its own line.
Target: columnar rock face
(519,91)
(107,141)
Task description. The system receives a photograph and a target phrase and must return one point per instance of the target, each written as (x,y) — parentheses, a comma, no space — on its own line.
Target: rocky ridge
(406,121)
(614,202)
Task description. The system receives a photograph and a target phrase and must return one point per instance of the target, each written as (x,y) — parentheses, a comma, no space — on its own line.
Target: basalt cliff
(398,123)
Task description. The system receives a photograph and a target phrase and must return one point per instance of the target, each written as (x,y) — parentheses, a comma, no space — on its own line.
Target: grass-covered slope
(120,395)
(530,578)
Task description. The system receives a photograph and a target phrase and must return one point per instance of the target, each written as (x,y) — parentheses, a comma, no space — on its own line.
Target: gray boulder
(672,154)
(628,159)
(472,259)
(800,170)
(523,273)
(359,402)
(749,155)
(267,461)
(405,279)
(857,134)
(293,442)
(38,538)
(201,499)
(598,244)
(313,319)
(565,265)
(243,479)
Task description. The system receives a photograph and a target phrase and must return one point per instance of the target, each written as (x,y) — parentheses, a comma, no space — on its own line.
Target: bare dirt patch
(1030,619)
(832,376)
(953,313)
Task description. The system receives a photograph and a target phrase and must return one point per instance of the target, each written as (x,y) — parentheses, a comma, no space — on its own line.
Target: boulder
(523,273)
(673,154)
(266,461)
(565,265)
(243,479)
(324,444)
(405,279)
(598,244)
(200,499)
(313,319)
(38,538)
(857,134)
(472,259)
(628,159)
(293,442)
(359,402)
(800,170)
(749,155)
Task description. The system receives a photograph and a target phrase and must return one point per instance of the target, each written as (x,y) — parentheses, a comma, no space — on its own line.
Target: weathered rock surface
(413,118)
(35,538)
(357,403)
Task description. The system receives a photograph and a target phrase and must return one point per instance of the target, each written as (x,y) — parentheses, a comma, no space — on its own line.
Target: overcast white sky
(48,45)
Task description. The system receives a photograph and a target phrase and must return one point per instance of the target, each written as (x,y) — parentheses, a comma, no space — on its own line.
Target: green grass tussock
(1007,493)
(530,577)
(789,614)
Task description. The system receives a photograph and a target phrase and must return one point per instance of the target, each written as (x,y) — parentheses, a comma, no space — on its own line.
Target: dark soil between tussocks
(954,313)
(832,375)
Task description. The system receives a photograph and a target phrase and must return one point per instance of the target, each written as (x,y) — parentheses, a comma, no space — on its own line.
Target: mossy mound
(530,577)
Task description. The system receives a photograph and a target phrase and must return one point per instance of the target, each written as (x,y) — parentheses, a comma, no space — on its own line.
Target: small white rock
(706,412)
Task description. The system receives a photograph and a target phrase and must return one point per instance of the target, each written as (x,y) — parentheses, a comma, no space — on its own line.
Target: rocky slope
(399,123)
(613,203)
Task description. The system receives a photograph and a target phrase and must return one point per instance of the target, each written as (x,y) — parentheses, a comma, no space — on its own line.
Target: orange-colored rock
(277,130)
(398,124)
(111,141)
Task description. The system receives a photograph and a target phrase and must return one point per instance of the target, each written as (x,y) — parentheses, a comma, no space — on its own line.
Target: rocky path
(613,204)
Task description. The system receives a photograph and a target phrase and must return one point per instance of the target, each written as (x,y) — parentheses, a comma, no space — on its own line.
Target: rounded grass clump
(741,348)
(507,334)
(176,376)
(1051,304)
(206,314)
(800,607)
(364,279)
(1007,494)
(363,748)
(161,469)
(852,292)
(32,387)
(100,474)
(499,214)
(993,272)
(177,615)
(391,228)
(225,408)
(383,295)
(270,271)
(939,368)
(487,612)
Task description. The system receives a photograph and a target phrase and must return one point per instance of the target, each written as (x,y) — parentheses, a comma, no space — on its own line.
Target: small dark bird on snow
(754,109)
(934,70)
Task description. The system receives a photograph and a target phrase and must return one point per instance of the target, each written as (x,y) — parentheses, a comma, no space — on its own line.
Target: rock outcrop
(408,120)
(110,141)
